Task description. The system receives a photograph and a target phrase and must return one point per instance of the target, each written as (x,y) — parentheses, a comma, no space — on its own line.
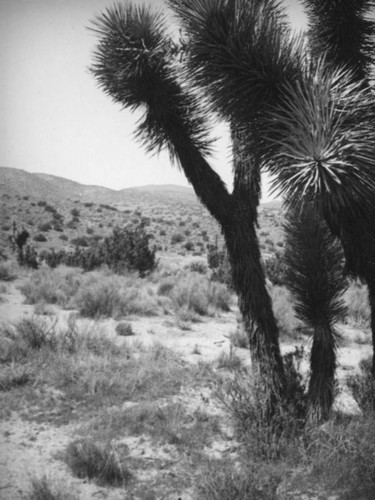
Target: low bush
(87,460)
(115,296)
(52,286)
(46,488)
(124,329)
(7,271)
(362,386)
(40,238)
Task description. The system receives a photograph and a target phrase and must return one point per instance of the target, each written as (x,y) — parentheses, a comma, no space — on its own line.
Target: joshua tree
(343,31)
(292,117)
(314,274)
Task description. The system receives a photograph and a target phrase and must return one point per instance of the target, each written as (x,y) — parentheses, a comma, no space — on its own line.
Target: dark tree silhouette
(288,114)
(314,274)
(343,31)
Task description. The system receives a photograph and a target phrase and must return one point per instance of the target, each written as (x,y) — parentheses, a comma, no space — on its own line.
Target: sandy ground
(28,449)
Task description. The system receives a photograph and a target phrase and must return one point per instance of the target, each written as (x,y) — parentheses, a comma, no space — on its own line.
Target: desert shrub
(75,212)
(45,488)
(362,386)
(189,246)
(45,227)
(113,296)
(40,238)
(87,460)
(49,208)
(51,286)
(72,224)
(340,455)
(127,249)
(63,237)
(124,329)
(36,333)
(357,303)
(264,435)
(223,480)
(28,257)
(7,271)
(80,241)
(229,361)
(13,377)
(198,266)
(177,238)
(239,338)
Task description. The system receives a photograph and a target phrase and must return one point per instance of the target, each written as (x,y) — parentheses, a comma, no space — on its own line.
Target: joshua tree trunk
(323,368)
(254,301)
(236,214)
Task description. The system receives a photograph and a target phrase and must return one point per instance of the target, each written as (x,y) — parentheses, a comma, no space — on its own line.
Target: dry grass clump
(116,296)
(87,367)
(194,292)
(165,422)
(8,271)
(362,386)
(52,286)
(46,488)
(87,460)
(357,303)
(223,480)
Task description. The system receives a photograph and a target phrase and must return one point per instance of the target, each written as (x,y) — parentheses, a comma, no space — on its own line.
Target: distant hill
(17,182)
(58,212)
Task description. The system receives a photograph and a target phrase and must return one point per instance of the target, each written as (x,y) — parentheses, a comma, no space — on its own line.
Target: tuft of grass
(36,333)
(87,460)
(194,292)
(13,377)
(52,286)
(222,480)
(45,488)
(124,329)
(169,423)
(362,386)
(230,360)
(238,338)
(7,271)
(115,296)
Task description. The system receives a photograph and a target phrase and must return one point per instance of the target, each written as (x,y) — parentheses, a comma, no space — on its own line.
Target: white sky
(54,119)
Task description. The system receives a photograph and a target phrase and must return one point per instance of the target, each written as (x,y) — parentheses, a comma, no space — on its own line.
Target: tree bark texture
(237,216)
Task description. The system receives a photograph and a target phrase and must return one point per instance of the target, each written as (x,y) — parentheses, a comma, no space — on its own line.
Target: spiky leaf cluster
(319,140)
(343,32)
(240,53)
(314,274)
(132,64)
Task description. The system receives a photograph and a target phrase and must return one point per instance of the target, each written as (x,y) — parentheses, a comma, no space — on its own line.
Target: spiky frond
(132,65)
(240,52)
(314,261)
(343,32)
(319,141)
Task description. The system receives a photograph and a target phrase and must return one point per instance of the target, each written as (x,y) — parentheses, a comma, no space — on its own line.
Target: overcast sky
(54,119)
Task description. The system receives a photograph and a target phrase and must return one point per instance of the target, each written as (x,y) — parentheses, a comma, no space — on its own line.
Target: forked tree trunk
(322,376)
(255,304)
(236,214)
